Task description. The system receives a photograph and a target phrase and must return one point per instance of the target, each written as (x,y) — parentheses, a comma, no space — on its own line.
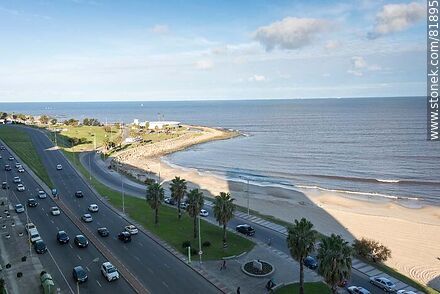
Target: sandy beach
(412,234)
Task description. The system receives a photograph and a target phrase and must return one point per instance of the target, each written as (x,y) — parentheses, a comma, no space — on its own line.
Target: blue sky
(96,50)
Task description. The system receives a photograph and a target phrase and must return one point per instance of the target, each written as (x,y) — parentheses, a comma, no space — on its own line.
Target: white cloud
(204,64)
(332,44)
(359,65)
(257,78)
(160,29)
(290,33)
(397,17)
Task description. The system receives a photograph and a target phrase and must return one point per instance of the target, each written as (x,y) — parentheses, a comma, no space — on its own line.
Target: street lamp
(200,244)
(122,186)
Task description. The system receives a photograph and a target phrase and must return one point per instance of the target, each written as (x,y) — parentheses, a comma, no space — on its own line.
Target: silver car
(383,283)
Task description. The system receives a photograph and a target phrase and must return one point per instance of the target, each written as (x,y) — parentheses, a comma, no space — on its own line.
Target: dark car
(32,202)
(4,185)
(40,246)
(245,229)
(103,232)
(79,194)
(79,274)
(62,237)
(81,241)
(124,236)
(8,167)
(310,262)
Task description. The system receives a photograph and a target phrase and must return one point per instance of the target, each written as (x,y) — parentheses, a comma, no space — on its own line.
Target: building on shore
(156,125)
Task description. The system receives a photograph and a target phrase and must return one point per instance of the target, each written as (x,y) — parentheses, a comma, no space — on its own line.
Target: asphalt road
(60,260)
(156,268)
(263,234)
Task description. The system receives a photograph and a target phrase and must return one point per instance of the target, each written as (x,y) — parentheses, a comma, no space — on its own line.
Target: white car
(109,271)
(131,229)
(406,292)
(357,290)
(59,167)
(20,187)
(87,218)
(204,213)
(19,208)
(17,180)
(93,208)
(34,235)
(42,194)
(17,165)
(383,283)
(55,210)
(21,170)
(29,226)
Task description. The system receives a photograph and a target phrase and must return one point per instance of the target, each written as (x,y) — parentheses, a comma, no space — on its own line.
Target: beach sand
(412,234)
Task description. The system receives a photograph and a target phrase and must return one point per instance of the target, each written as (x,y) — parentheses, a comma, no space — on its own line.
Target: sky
(127,50)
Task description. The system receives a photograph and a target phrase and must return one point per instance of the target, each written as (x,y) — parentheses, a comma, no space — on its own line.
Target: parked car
(204,213)
(21,170)
(8,167)
(183,205)
(11,158)
(383,283)
(42,194)
(124,236)
(310,262)
(29,226)
(2,148)
(4,185)
(109,271)
(20,188)
(19,208)
(59,167)
(169,200)
(40,247)
(81,241)
(131,229)
(32,202)
(34,236)
(55,210)
(245,229)
(79,194)
(357,290)
(79,274)
(17,165)
(87,218)
(103,232)
(62,237)
(93,208)
(406,292)
(17,180)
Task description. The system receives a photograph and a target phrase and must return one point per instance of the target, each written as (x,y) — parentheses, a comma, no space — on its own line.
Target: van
(34,235)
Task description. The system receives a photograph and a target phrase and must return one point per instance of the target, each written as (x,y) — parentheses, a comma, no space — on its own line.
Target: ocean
(372,147)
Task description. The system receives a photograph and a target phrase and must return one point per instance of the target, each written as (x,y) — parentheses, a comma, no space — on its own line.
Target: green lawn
(20,142)
(170,228)
(309,288)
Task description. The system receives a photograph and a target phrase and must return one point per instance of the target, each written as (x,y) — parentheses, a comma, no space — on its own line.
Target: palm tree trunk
(156,216)
(301,276)
(178,209)
(224,234)
(195,227)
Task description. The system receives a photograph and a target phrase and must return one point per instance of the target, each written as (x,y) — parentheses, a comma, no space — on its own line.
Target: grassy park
(20,142)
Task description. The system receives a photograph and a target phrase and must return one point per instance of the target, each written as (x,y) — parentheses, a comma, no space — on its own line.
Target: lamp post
(122,186)
(200,244)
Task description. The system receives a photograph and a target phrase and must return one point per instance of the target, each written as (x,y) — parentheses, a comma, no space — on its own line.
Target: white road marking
(165,284)
(87,268)
(58,229)
(70,245)
(99,283)
(166,265)
(51,221)
(150,270)
(137,258)
(140,244)
(42,208)
(79,257)
(64,277)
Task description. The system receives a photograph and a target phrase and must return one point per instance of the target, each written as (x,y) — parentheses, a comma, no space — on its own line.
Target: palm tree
(224,211)
(195,204)
(334,257)
(155,195)
(178,191)
(301,241)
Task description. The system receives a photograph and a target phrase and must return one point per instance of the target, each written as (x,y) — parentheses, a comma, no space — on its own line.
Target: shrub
(206,244)
(186,244)
(194,251)
(371,249)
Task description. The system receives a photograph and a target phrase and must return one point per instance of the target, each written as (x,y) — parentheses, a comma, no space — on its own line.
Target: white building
(152,125)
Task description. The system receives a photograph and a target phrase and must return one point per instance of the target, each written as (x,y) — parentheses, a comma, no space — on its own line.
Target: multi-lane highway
(157,269)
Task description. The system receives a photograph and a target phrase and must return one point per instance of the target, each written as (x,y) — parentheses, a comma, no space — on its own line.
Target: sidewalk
(357,264)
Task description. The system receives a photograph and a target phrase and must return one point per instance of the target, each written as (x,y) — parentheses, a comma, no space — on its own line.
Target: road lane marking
(64,277)
(79,257)
(70,245)
(99,283)
(150,270)
(58,228)
(88,268)
(140,244)
(166,265)
(42,208)
(137,258)
(165,284)
(51,221)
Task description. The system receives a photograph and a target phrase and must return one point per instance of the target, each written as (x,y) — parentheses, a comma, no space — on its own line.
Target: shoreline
(403,229)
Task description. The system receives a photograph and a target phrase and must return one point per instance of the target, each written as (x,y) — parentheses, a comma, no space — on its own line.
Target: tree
(3,115)
(334,257)
(178,191)
(301,242)
(195,204)
(224,211)
(371,249)
(44,119)
(155,195)
(53,121)
(71,122)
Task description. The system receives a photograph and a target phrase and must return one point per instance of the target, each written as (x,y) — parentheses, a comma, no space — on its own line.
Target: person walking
(238,290)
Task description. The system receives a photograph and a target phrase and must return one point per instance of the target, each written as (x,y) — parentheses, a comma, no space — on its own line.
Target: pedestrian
(223,266)
(238,290)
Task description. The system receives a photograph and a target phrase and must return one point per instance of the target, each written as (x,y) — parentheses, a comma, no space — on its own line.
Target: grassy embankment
(316,287)
(169,228)
(20,142)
